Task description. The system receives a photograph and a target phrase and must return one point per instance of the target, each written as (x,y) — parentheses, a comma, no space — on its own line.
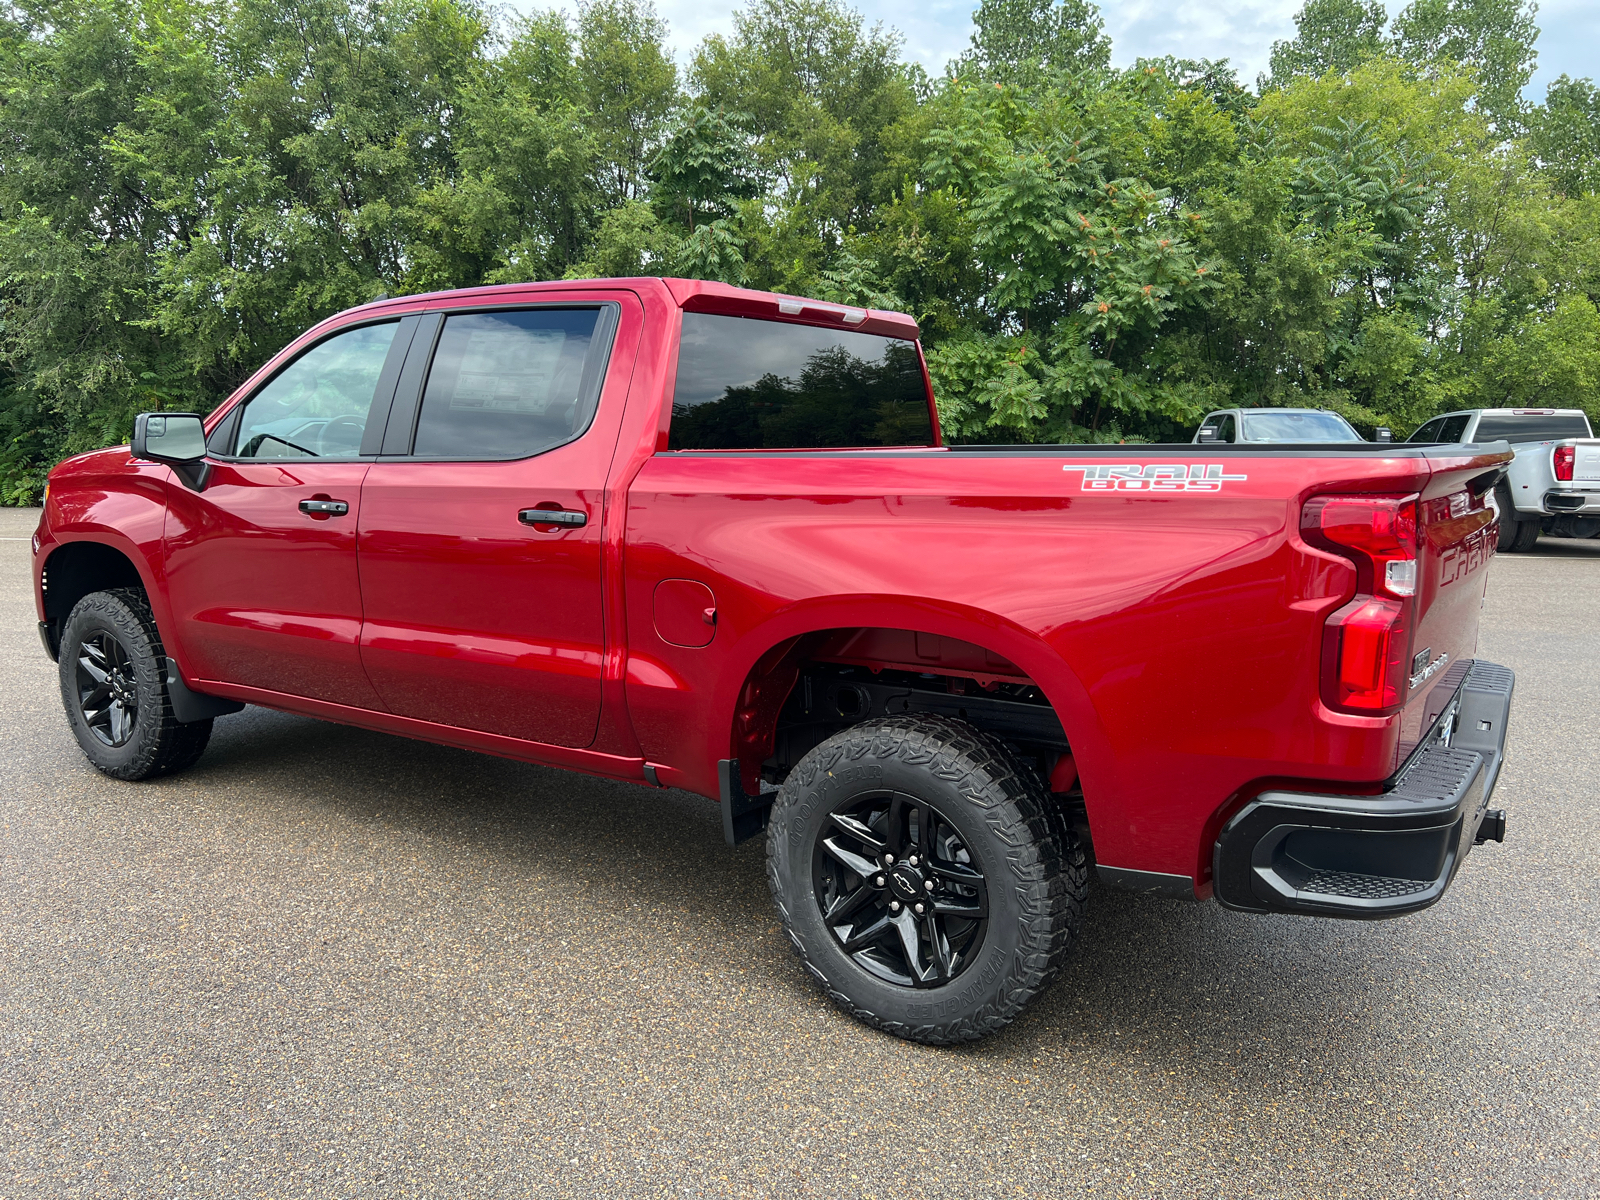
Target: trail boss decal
(1154,477)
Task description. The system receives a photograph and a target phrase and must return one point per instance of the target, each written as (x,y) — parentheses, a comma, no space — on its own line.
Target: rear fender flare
(1054,677)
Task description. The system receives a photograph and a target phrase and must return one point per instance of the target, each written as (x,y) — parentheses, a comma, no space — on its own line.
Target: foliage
(1383,227)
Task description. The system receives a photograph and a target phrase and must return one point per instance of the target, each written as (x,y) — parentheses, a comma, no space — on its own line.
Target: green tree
(1494,38)
(1330,35)
(1020,41)
(1564,135)
(630,85)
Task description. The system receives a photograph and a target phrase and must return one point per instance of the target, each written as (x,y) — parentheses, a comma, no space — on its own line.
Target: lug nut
(879,881)
(888,860)
(912,860)
(919,910)
(894,906)
(927,885)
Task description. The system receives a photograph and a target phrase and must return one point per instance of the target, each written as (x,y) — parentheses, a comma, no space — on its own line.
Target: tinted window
(510,384)
(1452,428)
(766,385)
(1225,431)
(1298,427)
(1511,427)
(1428,432)
(317,406)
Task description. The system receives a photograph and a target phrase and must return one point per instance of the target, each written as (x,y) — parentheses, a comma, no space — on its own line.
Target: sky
(1239,30)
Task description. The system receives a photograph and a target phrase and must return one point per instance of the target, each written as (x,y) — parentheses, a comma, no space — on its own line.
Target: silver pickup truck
(1552,485)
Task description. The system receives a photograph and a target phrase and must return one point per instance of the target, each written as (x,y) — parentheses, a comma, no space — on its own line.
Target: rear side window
(1531,427)
(746,384)
(1429,432)
(511,384)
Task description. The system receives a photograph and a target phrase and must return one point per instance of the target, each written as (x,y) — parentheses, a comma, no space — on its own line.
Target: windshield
(1530,427)
(1298,427)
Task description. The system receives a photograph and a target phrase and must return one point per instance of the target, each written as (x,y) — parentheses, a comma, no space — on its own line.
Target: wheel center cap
(907,882)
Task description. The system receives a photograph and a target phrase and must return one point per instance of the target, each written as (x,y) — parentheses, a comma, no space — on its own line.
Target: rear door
(480,613)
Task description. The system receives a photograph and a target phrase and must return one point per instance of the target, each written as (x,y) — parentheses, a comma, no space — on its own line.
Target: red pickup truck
(692,536)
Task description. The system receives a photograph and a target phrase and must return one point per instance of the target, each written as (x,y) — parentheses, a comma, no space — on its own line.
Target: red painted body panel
(265,595)
(1177,632)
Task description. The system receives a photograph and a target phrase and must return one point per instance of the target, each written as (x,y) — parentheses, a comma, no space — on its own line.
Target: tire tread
(1049,866)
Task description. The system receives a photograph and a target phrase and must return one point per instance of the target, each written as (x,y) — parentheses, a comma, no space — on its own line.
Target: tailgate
(1586,461)
(1456,539)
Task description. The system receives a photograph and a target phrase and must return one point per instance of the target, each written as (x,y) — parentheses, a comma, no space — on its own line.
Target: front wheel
(922,878)
(113,685)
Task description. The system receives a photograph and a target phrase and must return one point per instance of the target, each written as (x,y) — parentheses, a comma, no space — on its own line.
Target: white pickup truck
(1553,484)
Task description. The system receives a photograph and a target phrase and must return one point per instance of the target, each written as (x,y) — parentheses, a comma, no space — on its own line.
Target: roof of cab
(698,295)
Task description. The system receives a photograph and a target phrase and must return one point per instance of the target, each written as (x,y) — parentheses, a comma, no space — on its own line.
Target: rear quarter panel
(1177,632)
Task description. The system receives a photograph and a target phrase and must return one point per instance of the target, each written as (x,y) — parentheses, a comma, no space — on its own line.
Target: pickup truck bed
(1222,670)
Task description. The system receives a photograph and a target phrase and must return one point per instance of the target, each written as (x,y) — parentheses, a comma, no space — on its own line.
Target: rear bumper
(1587,502)
(1368,857)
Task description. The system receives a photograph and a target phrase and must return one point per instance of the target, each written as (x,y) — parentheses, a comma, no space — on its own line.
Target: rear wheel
(1527,536)
(113,685)
(921,877)
(1508,519)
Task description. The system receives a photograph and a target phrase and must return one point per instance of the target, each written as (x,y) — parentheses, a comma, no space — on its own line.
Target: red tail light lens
(1378,533)
(1563,462)
(1368,640)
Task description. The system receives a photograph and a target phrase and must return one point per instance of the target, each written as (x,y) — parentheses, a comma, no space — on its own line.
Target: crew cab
(686,535)
(1553,483)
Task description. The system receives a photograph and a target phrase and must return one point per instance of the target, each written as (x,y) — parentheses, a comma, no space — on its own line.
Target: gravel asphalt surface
(332,963)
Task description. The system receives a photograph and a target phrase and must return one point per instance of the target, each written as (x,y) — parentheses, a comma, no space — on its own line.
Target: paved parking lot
(337,964)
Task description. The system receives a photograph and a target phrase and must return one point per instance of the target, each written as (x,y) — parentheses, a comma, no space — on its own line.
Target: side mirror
(177,439)
(1208,433)
(1382,434)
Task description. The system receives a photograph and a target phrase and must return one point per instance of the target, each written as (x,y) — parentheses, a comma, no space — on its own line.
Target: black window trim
(400,433)
(375,415)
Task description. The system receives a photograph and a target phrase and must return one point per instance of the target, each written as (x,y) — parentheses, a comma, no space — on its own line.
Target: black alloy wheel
(925,877)
(896,885)
(113,673)
(108,693)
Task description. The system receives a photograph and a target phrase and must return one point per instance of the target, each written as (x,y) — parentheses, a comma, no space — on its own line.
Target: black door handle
(327,508)
(553,516)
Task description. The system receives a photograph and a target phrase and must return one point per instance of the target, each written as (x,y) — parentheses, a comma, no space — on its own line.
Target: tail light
(1563,462)
(1366,643)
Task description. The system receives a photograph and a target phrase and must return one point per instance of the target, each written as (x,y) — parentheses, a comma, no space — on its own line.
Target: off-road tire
(159,744)
(1036,872)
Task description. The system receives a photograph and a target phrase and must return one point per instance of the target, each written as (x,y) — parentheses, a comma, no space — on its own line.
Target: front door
(261,565)
(480,614)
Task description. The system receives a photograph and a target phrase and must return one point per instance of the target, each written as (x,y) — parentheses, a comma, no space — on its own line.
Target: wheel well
(76,569)
(806,689)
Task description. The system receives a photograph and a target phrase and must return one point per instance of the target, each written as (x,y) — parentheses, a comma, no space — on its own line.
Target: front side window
(317,406)
(1453,429)
(510,384)
(1225,432)
(748,384)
